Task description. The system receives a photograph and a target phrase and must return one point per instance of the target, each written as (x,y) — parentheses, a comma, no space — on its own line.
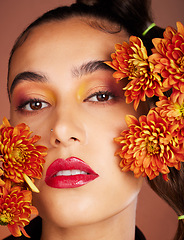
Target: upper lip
(71,163)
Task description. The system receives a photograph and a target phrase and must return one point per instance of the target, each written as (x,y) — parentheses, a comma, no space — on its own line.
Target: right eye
(33,105)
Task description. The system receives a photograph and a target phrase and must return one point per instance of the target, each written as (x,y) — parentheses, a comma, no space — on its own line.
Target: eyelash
(22,106)
(100,93)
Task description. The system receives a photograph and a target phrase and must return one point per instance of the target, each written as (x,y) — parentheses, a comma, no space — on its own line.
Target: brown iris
(102,97)
(35,105)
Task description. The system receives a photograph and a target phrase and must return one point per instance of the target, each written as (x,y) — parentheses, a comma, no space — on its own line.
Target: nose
(67,128)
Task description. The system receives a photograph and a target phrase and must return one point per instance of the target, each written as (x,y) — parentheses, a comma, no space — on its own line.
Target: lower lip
(72,181)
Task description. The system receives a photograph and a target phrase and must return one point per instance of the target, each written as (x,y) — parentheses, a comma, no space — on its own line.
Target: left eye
(100,97)
(33,105)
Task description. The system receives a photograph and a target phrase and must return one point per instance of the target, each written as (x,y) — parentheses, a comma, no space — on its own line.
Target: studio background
(154,217)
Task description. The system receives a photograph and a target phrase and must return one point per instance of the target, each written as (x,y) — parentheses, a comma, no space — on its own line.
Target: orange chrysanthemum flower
(168,57)
(1,181)
(131,61)
(20,155)
(148,147)
(15,208)
(172,109)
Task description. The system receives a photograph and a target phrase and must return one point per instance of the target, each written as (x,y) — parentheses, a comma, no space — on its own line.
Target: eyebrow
(29,76)
(84,69)
(90,67)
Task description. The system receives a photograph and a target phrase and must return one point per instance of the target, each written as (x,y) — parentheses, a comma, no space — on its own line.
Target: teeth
(70,172)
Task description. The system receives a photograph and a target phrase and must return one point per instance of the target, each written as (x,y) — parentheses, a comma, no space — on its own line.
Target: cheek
(112,122)
(14,119)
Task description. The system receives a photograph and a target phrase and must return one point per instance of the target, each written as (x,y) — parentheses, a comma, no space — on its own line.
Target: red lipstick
(69,173)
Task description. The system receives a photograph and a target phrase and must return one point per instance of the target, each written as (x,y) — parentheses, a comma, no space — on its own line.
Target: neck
(120,227)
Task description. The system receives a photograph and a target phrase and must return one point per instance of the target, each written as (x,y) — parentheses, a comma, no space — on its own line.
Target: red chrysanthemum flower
(148,147)
(15,208)
(172,109)
(20,155)
(168,57)
(131,61)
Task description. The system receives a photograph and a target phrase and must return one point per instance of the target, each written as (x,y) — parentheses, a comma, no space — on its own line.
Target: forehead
(82,28)
(72,39)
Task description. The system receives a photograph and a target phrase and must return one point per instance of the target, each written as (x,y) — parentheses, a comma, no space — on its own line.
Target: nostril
(73,138)
(57,141)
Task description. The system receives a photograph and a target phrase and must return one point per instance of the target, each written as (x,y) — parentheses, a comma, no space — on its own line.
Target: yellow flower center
(133,70)
(5,218)
(182,110)
(19,154)
(138,68)
(152,148)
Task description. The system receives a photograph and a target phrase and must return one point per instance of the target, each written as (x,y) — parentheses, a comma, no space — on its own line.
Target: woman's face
(60,82)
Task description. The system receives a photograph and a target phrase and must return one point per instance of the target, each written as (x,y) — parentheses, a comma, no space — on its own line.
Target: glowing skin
(86,110)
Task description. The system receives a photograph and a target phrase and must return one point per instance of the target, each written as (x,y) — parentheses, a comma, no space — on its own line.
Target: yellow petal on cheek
(30,183)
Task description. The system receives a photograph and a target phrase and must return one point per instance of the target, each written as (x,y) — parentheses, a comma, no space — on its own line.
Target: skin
(84,125)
